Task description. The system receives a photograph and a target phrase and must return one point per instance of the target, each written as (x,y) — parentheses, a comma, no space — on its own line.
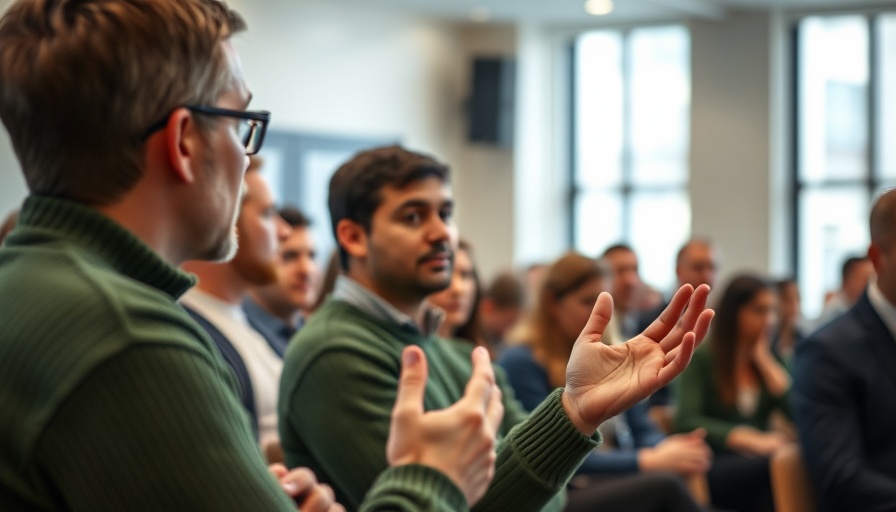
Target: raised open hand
(458,441)
(602,380)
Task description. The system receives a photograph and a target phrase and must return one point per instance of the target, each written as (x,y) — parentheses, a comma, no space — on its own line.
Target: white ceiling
(572,11)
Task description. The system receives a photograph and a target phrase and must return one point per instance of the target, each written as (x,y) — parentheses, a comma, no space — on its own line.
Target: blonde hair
(82,81)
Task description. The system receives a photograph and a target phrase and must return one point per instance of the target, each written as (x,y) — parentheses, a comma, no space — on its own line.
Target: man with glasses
(128,119)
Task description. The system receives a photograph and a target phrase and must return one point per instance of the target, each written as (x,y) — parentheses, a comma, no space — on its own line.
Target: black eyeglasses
(251,131)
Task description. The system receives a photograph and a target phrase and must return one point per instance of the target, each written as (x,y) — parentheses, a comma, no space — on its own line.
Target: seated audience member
(391,211)
(8,224)
(789,331)
(537,367)
(626,285)
(216,303)
(732,387)
(128,119)
(500,309)
(844,381)
(460,299)
(855,274)
(696,263)
(276,310)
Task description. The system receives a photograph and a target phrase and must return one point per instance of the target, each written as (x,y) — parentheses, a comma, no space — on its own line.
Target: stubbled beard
(226,246)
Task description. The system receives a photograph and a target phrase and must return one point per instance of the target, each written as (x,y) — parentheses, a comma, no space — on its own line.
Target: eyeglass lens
(250,132)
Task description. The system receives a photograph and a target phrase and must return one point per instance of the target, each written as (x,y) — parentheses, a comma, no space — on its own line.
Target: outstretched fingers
(597,322)
(663,325)
(700,330)
(683,353)
(688,321)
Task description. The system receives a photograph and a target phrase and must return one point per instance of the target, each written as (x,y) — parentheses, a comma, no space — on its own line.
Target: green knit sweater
(111,398)
(338,388)
(699,404)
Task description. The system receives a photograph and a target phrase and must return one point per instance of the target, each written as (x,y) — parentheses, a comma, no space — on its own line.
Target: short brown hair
(82,81)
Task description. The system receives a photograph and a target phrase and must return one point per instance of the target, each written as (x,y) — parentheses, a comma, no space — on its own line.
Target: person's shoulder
(339,329)
(516,354)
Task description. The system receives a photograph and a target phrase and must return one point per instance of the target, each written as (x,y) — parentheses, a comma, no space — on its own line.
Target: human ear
(182,141)
(352,237)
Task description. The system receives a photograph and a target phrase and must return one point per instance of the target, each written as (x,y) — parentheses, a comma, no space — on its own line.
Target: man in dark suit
(844,388)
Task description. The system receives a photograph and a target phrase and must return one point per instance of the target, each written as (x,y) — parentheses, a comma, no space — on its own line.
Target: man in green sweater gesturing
(130,124)
(391,211)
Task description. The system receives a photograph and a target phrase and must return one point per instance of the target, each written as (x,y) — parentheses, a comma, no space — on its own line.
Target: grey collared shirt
(352,292)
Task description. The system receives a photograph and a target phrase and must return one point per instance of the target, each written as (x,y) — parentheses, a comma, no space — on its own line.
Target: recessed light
(480,14)
(599,7)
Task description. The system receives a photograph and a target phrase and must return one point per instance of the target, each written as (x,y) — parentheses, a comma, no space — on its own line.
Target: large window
(845,98)
(631,105)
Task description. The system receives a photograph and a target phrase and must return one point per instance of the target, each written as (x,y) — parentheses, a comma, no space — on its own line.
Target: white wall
(355,71)
(483,173)
(730,151)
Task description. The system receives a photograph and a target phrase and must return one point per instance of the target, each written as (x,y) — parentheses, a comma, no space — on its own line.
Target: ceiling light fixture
(599,7)
(480,14)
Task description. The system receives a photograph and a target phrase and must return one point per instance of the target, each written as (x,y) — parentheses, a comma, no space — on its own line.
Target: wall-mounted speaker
(491,105)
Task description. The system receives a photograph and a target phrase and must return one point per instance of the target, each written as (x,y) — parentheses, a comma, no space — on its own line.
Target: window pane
(599,104)
(661,223)
(599,221)
(833,118)
(833,226)
(660,105)
(886,136)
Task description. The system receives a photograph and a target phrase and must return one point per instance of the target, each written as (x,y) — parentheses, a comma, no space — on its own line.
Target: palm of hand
(610,379)
(602,381)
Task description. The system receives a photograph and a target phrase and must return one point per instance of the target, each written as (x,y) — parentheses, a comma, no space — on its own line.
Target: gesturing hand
(301,485)
(458,441)
(602,380)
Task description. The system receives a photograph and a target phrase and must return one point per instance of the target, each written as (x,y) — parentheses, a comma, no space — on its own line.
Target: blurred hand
(602,380)
(684,454)
(301,485)
(750,441)
(458,441)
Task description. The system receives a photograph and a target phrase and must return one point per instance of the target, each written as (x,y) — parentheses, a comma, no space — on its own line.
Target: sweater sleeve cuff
(414,487)
(550,444)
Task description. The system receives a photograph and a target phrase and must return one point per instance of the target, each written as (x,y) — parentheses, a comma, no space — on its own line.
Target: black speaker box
(491,104)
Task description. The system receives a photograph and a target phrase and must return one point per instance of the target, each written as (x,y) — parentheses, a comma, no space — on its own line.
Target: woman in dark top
(731,388)
(643,458)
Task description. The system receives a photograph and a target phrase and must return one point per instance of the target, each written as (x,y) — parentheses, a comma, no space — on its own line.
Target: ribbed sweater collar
(100,235)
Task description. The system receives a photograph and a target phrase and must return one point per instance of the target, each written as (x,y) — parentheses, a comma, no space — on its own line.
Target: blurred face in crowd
(260,230)
(457,300)
(857,279)
(572,310)
(698,265)
(757,317)
(789,308)
(298,275)
(625,279)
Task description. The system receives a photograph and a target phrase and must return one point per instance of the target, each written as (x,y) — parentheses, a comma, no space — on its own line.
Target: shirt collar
(354,293)
(882,307)
(255,311)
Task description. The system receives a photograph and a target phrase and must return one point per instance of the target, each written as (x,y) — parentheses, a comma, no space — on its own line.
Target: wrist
(572,412)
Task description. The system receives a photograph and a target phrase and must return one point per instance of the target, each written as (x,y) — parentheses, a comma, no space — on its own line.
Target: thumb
(412,383)
(600,317)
